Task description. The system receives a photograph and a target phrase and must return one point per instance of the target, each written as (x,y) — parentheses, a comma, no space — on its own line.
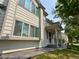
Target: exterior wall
(12,46)
(9,18)
(15,12)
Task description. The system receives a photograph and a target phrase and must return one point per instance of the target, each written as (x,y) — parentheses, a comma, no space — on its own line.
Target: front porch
(53,35)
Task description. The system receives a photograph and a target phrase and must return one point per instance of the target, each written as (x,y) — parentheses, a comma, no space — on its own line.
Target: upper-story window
(37,12)
(29,5)
(22,3)
(33,7)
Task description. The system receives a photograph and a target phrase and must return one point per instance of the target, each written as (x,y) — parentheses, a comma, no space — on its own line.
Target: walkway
(27,54)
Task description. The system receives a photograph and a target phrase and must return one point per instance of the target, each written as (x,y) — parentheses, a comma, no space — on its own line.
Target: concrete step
(51,46)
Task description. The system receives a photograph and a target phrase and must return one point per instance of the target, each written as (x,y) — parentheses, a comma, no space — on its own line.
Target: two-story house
(23,26)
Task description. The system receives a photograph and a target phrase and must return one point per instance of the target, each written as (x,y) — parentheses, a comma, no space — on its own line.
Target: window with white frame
(37,32)
(25,29)
(34,31)
(21,29)
(18,28)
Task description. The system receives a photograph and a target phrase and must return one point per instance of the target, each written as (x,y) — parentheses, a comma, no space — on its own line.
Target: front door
(50,37)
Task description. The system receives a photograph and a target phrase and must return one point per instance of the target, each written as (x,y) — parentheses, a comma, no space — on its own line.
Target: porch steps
(51,46)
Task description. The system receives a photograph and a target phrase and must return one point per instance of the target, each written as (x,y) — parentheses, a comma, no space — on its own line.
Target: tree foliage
(68,10)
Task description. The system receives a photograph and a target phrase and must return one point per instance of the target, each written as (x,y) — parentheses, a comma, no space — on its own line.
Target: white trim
(10,51)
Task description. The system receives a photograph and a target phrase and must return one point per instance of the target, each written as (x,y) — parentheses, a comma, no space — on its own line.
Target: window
(18,28)
(22,3)
(33,8)
(21,29)
(25,29)
(2,12)
(27,4)
(37,12)
(37,32)
(34,31)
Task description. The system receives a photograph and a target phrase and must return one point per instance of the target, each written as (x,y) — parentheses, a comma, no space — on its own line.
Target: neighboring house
(23,26)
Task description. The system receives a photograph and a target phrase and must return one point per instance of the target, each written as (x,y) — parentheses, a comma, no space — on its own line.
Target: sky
(50,6)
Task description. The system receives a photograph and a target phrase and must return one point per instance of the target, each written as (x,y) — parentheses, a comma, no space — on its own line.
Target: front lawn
(61,54)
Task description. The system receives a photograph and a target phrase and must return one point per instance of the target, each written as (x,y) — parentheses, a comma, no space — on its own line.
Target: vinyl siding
(13,46)
(9,18)
(15,43)
(26,16)
(16,12)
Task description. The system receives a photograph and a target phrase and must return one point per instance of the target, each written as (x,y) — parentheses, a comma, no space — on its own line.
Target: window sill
(19,38)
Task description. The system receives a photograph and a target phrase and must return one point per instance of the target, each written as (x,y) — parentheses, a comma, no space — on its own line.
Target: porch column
(56,37)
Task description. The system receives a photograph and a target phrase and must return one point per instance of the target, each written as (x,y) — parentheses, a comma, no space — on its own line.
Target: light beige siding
(16,12)
(26,16)
(9,18)
(12,46)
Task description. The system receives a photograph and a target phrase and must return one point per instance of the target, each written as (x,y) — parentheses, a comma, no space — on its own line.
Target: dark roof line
(50,21)
(57,23)
(40,5)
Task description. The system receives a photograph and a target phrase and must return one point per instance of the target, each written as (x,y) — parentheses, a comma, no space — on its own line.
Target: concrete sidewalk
(27,53)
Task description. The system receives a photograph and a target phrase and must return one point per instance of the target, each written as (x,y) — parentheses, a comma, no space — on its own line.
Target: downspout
(40,25)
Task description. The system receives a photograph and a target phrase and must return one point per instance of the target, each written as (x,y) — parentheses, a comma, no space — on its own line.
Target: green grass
(61,54)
